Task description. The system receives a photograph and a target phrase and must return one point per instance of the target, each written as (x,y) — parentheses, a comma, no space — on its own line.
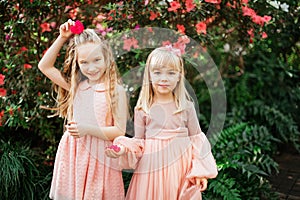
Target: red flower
(2,92)
(264,35)
(27,66)
(11,111)
(22,49)
(77,28)
(189,4)
(248,11)
(174,6)
(250,32)
(153,15)
(73,13)
(201,28)
(45,27)
(1,115)
(2,77)
(213,1)
(181,28)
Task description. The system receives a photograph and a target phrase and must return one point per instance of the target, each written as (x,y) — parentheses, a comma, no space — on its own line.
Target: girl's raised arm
(46,64)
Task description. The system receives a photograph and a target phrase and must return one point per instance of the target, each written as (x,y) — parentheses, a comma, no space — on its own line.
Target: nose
(164,77)
(92,68)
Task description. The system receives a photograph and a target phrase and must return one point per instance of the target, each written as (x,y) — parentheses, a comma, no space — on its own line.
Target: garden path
(287,181)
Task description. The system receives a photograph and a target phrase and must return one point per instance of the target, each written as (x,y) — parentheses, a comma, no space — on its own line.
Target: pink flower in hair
(77,28)
(174,50)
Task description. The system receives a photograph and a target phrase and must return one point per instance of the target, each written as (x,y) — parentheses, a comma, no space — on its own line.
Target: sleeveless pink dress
(81,169)
(168,152)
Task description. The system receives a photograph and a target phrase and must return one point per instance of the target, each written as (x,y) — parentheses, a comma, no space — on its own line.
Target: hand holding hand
(202,183)
(115,151)
(65,29)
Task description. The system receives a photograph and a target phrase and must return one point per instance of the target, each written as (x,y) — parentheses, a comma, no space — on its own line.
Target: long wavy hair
(72,74)
(165,57)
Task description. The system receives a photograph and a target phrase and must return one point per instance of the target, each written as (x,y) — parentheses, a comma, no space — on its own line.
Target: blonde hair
(163,57)
(72,74)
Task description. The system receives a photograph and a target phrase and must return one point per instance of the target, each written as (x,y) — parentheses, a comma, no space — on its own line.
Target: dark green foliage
(20,177)
(243,154)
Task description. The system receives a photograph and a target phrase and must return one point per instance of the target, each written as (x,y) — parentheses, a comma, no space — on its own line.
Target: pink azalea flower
(27,66)
(244,1)
(174,6)
(53,24)
(250,32)
(73,13)
(201,28)
(189,4)
(130,42)
(184,39)
(267,18)
(153,15)
(2,77)
(258,20)
(2,92)
(248,11)
(45,27)
(1,116)
(77,28)
(166,43)
(22,49)
(11,111)
(213,1)
(181,28)
(264,35)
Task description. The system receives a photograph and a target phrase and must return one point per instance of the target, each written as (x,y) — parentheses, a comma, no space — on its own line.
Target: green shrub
(20,177)
(243,154)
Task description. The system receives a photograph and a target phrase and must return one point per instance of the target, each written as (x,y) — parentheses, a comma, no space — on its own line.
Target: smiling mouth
(94,74)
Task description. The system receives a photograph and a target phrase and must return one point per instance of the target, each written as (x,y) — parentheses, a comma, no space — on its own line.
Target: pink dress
(81,169)
(168,151)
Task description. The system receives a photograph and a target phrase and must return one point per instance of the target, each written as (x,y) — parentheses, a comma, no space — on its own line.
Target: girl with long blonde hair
(91,99)
(169,152)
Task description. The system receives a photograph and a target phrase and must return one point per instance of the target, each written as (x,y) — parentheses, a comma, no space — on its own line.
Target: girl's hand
(202,183)
(65,30)
(115,151)
(72,128)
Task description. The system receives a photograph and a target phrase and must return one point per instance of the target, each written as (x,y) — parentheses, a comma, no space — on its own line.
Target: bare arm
(46,64)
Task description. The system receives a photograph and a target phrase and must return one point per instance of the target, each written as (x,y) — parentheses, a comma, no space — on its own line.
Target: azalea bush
(253,44)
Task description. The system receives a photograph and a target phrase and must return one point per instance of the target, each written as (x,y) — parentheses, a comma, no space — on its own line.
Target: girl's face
(164,79)
(91,62)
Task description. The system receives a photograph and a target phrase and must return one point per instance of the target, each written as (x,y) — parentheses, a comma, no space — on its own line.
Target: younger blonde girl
(170,154)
